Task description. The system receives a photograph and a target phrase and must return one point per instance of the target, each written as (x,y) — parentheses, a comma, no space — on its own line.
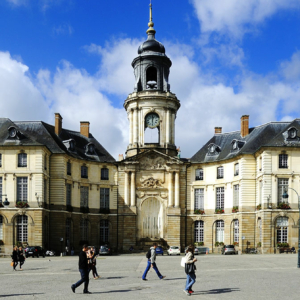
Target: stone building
(69,190)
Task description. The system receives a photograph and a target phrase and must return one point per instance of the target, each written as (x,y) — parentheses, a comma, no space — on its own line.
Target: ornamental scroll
(151,183)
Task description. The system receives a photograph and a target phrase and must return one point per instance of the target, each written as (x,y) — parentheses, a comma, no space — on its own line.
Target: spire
(151,30)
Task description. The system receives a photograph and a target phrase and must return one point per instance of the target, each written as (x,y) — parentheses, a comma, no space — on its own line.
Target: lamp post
(286,196)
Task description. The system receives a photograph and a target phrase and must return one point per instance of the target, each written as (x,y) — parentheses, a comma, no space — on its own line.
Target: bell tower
(151,108)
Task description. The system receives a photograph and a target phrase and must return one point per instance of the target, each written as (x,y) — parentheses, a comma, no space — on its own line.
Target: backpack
(148,254)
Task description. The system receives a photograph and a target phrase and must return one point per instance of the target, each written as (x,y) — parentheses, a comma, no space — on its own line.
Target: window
(104,231)
(220,172)
(283,161)
(0,189)
(283,184)
(68,194)
(220,198)
(84,196)
(69,168)
(236,231)
(84,229)
(199,231)
(68,231)
(84,172)
(45,162)
(22,160)
(220,231)
(151,78)
(292,133)
(260,230)
(104,174)
(199,174)
(1,227)
(22,228)
(22,189)
(236,169)
(282,229)
(0,160)
(199,199)
(104,198)
(236,194)
(45,190)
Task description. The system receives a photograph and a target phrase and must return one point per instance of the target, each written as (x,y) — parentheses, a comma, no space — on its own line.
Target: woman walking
(21,257)
(190,270)
(92,262)
(15,257)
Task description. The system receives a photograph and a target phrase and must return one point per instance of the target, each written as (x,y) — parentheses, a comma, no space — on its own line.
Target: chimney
(121,157)
(218,130)
(85,128)
(58,123)
(244,125)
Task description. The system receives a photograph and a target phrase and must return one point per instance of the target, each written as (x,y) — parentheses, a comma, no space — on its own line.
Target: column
(177,189)
(168,127)
(173,129)
(132,189)
(171,204)
(131,127)
(135,126)
(126,200)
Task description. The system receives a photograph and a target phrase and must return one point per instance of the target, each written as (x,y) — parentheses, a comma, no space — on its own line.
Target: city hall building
(60,188)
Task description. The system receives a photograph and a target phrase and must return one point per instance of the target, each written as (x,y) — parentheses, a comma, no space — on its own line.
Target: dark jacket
(21,255)
(189,264)
(15,255)
(83,261)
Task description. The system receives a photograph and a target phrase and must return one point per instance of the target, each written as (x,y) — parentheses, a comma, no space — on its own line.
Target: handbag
(182,262)
(12,264)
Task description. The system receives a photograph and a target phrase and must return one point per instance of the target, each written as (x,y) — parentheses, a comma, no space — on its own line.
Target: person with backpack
(190,269)
(151,257)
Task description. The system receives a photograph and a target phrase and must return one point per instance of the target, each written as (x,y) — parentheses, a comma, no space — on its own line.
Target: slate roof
(38,133)
(272,134)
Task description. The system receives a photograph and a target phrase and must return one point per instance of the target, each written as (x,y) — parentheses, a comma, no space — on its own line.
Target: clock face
(152,120)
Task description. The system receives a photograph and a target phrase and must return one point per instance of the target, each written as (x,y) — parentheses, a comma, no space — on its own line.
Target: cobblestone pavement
(218,277)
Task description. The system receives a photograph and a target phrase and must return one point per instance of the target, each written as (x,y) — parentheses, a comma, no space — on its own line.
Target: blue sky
(230,58)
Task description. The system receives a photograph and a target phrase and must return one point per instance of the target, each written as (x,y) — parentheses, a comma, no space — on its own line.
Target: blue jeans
(190,280)
(84,279)
(148,268)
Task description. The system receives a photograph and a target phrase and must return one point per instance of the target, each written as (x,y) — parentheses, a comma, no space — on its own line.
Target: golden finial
(151,24)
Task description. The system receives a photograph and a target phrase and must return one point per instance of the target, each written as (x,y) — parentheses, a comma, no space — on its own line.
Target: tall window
(84,196)
(84,172)
(104,198)
(199,199)
(45,162)
(199,174)
(283,184)
(283,161)
(68,231)
(282,229)
(22,189)
(1,227)
(236,169)
(199,231)
(236,231)
(45,190)
(22,160)
(220,172)
(104,231)
(220,231)
(220,198)
(0,160)
(22,228)
(69,168)
(84,229)
(68,194)
(104,174)
(236,193)
(260,230)
(0,189)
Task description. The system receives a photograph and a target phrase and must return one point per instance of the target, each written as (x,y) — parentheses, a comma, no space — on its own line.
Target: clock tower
(151,108)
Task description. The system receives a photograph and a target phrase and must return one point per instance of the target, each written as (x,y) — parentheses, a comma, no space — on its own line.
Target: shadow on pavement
(114,277)
(217,291)
(13,295)
(184,278)
(122,291)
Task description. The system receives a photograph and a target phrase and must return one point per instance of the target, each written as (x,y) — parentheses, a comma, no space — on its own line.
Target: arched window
(22,228)
(220,172)
(104,231)
(84,229)
(236,231)
(199,174)
(68,231)
(22,160)
(282,224)
(199,231)
(1,227)
(220,231)
(104,174)
(151,78)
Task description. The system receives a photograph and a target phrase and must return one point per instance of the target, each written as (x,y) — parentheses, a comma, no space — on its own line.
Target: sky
(230,58)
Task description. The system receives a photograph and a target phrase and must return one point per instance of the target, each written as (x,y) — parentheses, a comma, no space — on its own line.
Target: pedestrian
(21,257)
(15,257)
(72,250)
(190,269)
(151,256)
(83,269)
(92,263)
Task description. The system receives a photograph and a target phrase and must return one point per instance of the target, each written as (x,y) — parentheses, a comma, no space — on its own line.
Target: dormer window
(12,132)
(90,149)
(237,145)
(292,133)
(213,149)
(70,144)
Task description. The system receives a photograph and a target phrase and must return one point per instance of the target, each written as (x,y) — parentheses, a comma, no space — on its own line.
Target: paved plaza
(218,277)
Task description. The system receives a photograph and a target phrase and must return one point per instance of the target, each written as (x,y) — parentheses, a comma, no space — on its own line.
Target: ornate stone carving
(151,183)
(21,211)
(153,162)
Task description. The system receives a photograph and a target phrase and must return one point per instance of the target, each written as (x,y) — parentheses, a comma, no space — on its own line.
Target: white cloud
(291,68)
(63,29)
(235,17)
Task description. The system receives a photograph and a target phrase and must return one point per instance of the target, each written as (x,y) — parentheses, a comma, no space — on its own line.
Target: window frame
(0,160)
(283,161)
(84,197)
(104,231)
(199,231)
(22,228)
(69,168)
(220,197)
(281,188)
(236,195)
(84,172)
(236,231)
(22,160)
(84,229)
(199,174)
(199,199)
(220,229)
(220,172)
(104,174)
(104,198)
(236,169)
(22,195)
(282,229)
(68,194)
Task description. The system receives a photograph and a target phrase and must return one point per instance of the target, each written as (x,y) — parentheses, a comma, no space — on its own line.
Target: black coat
(21,255)
(83,261)
(15,255)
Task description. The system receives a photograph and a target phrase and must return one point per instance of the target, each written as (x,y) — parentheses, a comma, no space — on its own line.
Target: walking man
(84,272)
(151,263)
